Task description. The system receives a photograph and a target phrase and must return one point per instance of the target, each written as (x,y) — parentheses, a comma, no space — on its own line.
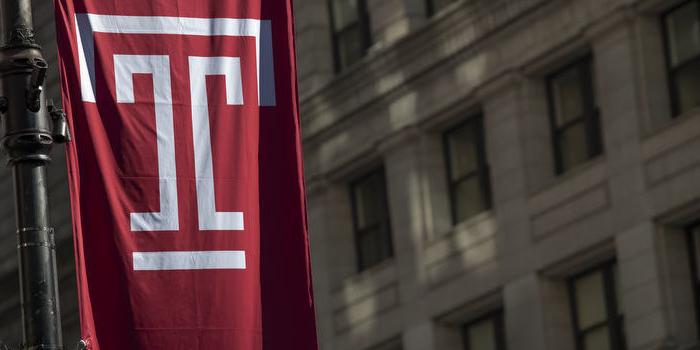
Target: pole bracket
(36,237)
(21,37)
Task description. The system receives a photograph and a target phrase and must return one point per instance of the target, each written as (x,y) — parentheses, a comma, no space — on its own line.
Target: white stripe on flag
(201,260)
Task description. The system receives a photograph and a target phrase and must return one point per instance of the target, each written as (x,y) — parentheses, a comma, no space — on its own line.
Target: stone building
(502,174)
(483,174)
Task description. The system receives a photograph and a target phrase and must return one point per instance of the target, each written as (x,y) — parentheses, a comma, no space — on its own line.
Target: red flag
(186,174)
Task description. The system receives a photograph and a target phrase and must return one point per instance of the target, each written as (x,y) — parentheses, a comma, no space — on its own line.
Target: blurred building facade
(481,174)
(502,174)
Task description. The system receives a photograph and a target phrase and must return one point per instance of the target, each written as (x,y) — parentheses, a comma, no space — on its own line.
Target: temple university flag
(186,174)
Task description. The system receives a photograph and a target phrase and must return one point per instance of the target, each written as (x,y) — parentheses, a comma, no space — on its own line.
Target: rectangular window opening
(485,333)
(467,169)
(350,31)
(371,220)
(596,311)
(681,27)
(574,116)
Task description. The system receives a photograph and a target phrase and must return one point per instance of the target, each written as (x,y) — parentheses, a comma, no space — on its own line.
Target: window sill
(671,134)
(558,180)
(671,122)
(464,225)
(365,284)
(375,276)
(571,184)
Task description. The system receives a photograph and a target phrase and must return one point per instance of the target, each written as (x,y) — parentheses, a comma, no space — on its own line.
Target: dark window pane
(573,116)
(486,333)
(437,5)
(598,339)
(596,306)
(345,12)
(350,45)
(371,220)
(370,201)
(482,335)
(467,169)
(462,150)
(374,247)
(683,30)
(350,31)
(568,96)
(590,300)
(468,198)
(695,232)
(687,81)
(573,145)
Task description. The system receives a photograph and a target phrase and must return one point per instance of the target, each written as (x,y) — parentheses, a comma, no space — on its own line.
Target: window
(435,6)
(682,32)
(371,220)
(467,169)
(595,304)
(573,115)
(351,34)
(485,333)
(694,248)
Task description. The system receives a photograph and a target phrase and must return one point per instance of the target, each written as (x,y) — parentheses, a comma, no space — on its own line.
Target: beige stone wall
(423,75)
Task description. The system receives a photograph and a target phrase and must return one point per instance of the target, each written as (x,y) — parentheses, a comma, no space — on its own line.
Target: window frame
(499,331)
(694,280)
(671,71)
(590,116)
(614,318)
(430,9)
(385,223)
(363,21)
(482,172)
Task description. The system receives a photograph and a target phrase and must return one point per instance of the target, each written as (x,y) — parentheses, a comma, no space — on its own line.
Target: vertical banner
(186,174)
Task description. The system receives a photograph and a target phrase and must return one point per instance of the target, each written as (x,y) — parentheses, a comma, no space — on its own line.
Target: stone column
(616,79)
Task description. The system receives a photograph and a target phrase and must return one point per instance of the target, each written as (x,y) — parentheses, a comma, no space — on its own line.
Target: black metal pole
(27,137)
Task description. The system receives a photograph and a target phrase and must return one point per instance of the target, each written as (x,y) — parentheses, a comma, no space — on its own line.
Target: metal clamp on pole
(28,131)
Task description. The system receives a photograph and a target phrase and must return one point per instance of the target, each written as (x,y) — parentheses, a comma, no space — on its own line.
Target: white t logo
(158,66)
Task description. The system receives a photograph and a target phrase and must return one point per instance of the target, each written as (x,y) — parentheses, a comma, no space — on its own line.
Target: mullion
(464,177)
(594,327)
(571,123)
(453,189)
(372,226)
(340,32)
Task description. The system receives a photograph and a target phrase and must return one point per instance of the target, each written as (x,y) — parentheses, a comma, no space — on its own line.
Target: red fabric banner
(186,174)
